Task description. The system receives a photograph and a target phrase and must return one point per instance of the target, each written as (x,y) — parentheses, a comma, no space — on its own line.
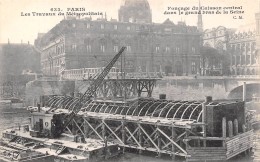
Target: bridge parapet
(89,73)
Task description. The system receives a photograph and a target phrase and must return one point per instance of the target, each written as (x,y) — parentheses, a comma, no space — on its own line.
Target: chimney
(208,99)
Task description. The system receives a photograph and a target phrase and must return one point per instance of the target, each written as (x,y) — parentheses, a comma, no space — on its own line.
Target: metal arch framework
(177,110)
(144,124)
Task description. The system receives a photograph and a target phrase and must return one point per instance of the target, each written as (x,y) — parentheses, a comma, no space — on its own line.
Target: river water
(10,117)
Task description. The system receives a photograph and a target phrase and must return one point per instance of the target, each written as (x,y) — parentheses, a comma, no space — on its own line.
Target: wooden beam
(165,135)
(113,132)
(149,137)
(133,137)
(94,130)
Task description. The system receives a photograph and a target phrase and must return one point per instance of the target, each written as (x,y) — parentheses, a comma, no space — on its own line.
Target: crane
(86,97)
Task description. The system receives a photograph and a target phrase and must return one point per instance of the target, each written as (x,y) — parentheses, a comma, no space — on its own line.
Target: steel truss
(110,88)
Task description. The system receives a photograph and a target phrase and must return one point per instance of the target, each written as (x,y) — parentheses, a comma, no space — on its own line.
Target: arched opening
(252,90)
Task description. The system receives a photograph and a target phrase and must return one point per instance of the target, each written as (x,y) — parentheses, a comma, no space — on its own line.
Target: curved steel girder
(144,108)
(94,107)
(68,103)
(180,107)
(88,107)
(97,107)
(56,98)
(156,109)
(150,109)
(173,106)
(134,107)
(168,106)
(113,109)
(188,107)
(49,102)
(194,109)
(73,104)
(61,101)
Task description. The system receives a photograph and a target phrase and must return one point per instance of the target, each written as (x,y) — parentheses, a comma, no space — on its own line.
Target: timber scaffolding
(205,130)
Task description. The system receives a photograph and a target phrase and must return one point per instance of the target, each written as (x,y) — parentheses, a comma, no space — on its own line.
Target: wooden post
(86,129)
(204,122)
(103,130)
(123,135)
(230,129)
(173,147)
(159,143)
(224,129)
(140,139)
(74,130)
(235,127)
(244,128)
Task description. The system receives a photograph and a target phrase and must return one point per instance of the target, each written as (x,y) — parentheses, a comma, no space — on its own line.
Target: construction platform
(19,145)
(195,130)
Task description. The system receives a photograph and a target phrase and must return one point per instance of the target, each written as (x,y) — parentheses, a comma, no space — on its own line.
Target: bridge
(220,87)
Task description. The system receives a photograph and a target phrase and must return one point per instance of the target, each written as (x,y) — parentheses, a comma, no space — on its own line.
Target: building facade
(151,47)
(242,47)
(241,44)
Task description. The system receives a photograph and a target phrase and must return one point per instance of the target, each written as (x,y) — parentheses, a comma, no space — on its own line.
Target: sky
(18,28)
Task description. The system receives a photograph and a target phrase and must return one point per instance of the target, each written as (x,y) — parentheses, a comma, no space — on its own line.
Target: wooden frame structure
(191,129)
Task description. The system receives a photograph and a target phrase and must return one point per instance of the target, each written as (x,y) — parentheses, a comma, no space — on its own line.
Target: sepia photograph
(129,80)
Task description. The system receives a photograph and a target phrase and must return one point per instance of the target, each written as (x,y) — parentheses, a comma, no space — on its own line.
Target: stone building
(217,38)
(243,51)
(15,59)
(77,43)
(241,44)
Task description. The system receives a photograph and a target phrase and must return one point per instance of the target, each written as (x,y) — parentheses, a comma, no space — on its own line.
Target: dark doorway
(41,125)
(178,68)
(168,70)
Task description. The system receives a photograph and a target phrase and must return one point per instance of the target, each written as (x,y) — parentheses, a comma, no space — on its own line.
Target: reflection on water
(11,117)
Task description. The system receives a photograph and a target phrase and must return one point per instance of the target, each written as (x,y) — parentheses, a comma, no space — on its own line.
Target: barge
(19,145)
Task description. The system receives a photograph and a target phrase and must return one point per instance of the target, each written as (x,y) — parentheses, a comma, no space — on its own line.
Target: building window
(128,27)
(115,27)
(88,25)
(88,48)
(193,50)
(102,26)
(74,47)
(115,48)
(193,67)
(157,49)
(128,48)
(177,50)
(102,48)
(167,49)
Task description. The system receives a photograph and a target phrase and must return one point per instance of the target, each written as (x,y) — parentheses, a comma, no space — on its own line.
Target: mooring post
(244,128)
(235,127)
(224,129)
(230,129)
